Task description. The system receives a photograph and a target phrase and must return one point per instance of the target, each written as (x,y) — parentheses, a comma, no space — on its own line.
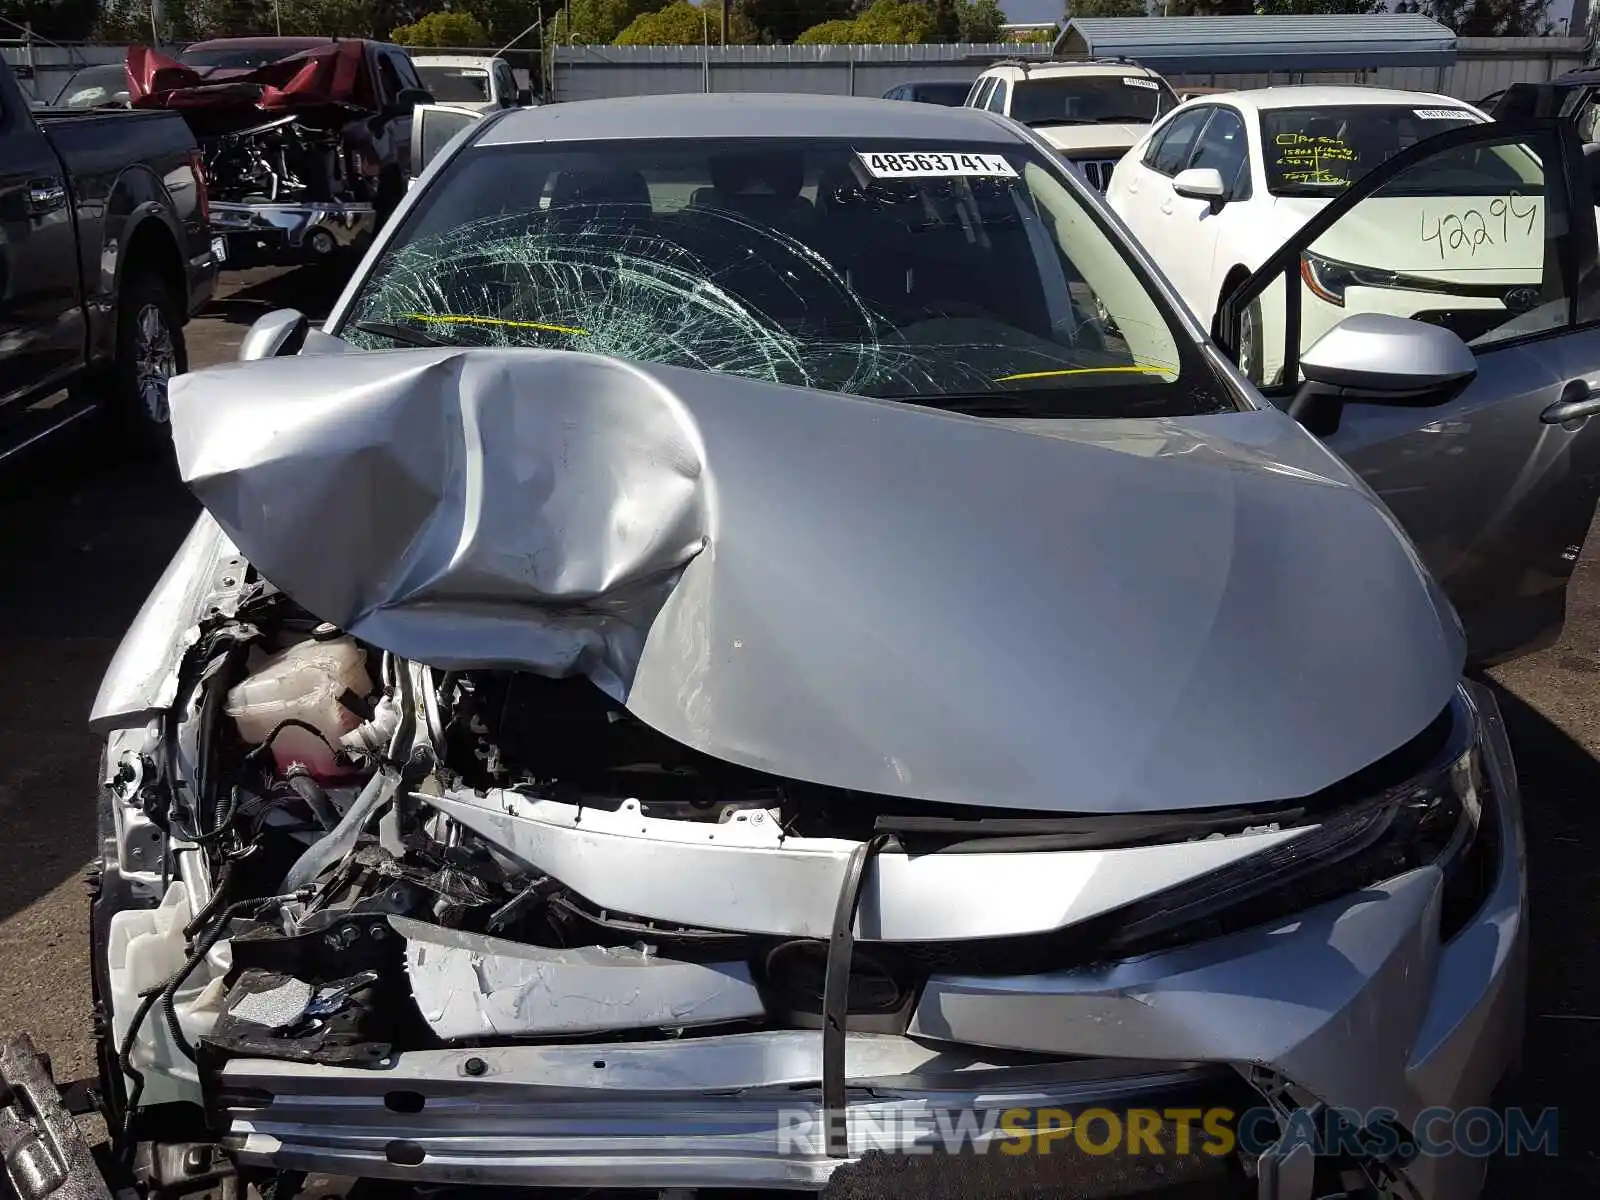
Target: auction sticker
(1135,81)
(1441,114)
(925,164)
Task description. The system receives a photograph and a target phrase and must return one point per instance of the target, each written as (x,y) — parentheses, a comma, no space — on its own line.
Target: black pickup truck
(105,251)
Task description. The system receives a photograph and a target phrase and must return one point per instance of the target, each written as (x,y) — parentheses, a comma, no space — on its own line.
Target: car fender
(206,573)
(137,197)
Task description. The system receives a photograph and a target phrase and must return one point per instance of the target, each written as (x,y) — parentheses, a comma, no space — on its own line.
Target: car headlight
(1327,279)
(1438,816)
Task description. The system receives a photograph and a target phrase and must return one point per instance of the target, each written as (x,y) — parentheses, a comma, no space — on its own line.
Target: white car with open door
(1475,441)
(1217,186)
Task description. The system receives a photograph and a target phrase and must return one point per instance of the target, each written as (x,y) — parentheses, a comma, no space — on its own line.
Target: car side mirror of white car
(1200,183)
(1375,358)
(277,334)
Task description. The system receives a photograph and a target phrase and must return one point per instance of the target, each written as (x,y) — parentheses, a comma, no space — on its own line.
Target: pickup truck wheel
(150,351)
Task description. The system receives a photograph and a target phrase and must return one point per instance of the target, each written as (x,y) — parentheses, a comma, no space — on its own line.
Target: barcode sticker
(924,164)
(1134,81)
(1441,114)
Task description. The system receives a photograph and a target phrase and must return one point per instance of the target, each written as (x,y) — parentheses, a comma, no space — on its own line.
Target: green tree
(1493,18)
(886,22)
(1106,8)
(1316,8)
(785,20)
(123,21)
(979,21)
(58,20)
(445,28)
(829,33)
(678,24)
(330,18)
(895,22)
(595,22)
(1209,8)
(222,18)
(505,19)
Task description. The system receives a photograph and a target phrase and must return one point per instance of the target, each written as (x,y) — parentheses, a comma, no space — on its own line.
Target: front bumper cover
(1357,1003)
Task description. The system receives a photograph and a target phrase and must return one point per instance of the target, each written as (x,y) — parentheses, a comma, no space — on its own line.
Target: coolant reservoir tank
(311,682)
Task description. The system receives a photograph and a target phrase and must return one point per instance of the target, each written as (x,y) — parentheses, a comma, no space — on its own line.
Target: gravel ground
(84,535)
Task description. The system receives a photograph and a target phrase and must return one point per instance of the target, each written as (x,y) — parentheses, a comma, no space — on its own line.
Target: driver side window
(1224,147)
(1172,155)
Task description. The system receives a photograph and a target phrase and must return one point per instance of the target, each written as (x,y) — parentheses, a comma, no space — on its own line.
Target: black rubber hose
(218,893)
(256,753)
(315,798)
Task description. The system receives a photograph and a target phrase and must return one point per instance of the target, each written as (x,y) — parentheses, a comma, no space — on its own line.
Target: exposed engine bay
(329,858)
(286,159)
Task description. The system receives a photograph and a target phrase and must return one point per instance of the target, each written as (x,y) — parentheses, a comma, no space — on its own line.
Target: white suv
(1092,111)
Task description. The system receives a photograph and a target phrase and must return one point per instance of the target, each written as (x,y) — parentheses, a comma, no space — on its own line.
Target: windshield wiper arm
(1034,124)
(400,333)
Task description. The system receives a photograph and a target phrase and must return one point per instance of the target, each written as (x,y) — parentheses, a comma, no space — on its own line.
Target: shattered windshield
(968,277)
(455,85)
(1090,100)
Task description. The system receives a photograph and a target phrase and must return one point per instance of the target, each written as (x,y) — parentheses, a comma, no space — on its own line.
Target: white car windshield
(455,85)
(1090,100)
(958,275)
(1321,151)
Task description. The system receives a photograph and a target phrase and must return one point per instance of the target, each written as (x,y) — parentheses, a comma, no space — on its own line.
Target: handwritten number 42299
(1477,226)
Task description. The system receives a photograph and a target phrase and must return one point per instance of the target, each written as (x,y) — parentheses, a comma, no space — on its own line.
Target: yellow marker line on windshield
(443,319)
(1084,371)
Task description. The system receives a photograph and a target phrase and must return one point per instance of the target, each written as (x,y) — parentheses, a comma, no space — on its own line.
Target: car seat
(762,186)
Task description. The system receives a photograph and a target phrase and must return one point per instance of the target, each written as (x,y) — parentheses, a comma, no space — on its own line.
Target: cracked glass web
(908,289)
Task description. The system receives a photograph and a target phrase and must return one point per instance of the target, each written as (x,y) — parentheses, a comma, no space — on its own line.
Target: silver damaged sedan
(759,647)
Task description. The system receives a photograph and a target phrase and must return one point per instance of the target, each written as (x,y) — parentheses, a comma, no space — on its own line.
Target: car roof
(722,115)
(1313,96)
(287,44)
(1051,70)
(453,60)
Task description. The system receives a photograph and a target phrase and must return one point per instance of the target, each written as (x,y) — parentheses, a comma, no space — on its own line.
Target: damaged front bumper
(727,1111)
(288,234)
(1358,1003)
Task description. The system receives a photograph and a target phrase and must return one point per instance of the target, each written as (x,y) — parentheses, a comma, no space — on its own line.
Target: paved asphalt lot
(84,534)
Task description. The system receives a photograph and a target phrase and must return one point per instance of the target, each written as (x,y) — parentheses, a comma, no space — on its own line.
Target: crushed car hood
(1072,615)
(332,76)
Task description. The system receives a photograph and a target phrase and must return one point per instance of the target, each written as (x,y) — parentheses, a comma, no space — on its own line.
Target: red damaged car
(306,141)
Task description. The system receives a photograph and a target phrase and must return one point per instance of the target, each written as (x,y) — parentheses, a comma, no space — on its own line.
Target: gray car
(761,631)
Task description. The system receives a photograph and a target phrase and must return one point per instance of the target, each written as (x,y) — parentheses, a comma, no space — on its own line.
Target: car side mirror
(1201,183)
(279,334)
(407,99)
(524,97)
(1375,358)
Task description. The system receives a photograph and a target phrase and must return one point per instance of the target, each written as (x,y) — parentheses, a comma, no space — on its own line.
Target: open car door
(432,127)
(1481,431)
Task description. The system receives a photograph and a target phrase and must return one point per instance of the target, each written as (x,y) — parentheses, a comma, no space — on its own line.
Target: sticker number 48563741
(925,164)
